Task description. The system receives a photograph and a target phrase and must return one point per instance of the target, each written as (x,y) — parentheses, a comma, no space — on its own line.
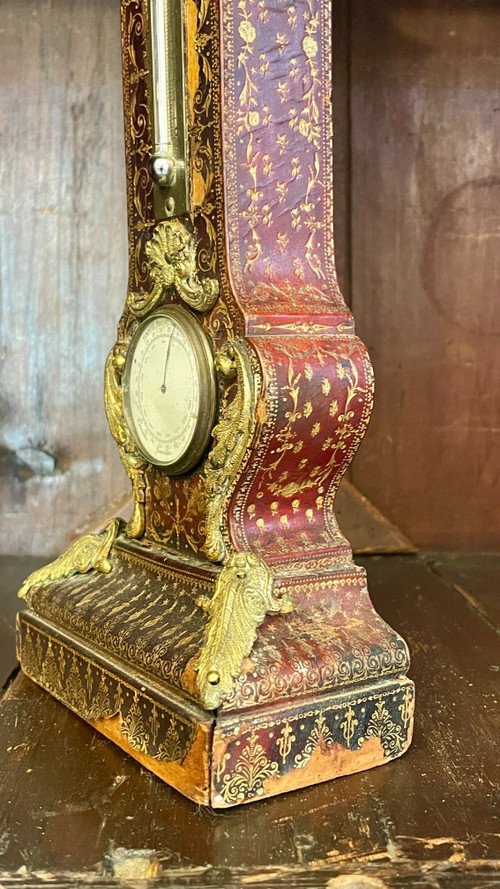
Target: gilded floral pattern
(177,512)
(319,401)
(175,507)
(251,771)
(96,693)
(332,640)
(261,753)
(144,612)
(277,150)
(138,147)
(392,735)
(278,210)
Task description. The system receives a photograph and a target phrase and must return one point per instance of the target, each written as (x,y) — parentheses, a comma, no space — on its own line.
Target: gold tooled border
(273,755)
(95,692)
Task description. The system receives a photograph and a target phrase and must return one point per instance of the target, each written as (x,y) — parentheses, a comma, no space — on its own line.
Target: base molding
(306,742)
(219,759)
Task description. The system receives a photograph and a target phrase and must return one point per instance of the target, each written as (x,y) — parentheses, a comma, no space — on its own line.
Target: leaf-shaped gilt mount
(242,598)
(135,464)
(171,253)
(89,553)
(232,436)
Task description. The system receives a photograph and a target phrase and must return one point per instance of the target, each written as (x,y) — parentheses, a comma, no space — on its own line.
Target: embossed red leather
(277,149)
(318,395)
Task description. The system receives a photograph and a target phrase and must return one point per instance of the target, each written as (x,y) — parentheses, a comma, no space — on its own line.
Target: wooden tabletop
(76,811)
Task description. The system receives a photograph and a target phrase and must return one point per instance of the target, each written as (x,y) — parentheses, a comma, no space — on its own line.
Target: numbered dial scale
(169,389)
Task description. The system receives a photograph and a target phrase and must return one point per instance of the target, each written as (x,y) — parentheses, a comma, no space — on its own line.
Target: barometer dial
(169,389)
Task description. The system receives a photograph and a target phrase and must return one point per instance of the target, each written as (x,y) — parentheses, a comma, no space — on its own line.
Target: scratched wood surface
(62,265)
(425,254)
(477,579)
(366,529)
(12,573)
(76,808)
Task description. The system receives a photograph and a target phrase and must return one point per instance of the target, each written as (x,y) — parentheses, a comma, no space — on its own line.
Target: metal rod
(164,64)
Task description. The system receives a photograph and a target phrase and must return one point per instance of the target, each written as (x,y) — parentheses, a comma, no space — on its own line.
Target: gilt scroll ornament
(242,598)
(89,553)
(232,436)
(171,254)
(134,462)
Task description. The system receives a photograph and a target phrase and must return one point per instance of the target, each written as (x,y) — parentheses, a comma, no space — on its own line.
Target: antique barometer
(169,390)
(223,636)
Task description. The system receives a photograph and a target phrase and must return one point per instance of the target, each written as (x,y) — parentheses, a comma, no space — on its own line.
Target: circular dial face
(169,389)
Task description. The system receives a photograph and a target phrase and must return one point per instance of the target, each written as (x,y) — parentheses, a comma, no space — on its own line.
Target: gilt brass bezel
(205,365)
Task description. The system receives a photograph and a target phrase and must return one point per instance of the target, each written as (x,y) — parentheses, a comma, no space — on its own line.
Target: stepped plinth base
(323,693)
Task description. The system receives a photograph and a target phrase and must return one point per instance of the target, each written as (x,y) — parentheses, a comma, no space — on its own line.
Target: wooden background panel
(63,264)
(425,137)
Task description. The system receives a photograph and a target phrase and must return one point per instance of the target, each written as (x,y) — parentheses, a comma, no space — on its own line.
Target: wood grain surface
(63,265)
(476,578)
(76,807)
(425,262)
(12,573)
(366,529)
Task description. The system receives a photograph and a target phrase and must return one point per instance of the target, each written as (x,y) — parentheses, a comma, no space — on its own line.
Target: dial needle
(163,387)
